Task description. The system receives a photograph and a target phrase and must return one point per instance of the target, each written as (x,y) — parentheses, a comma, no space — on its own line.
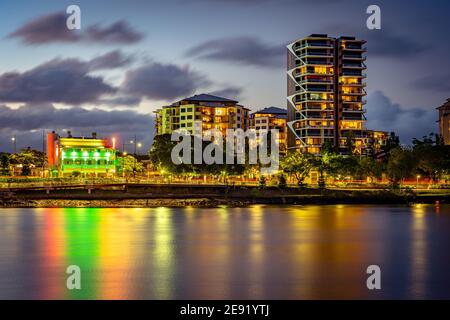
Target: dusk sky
(132,57)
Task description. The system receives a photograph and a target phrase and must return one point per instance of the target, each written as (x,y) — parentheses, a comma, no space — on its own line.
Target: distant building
(214,112)
(325,84)
(271,118)
(444,121)
(87,156)
(376,140)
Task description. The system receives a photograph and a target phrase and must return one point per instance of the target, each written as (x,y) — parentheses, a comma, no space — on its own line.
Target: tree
(350,142)
(393,141)
(433,157)
(369,168)
(401,164)
(282,181)
(4,164)
(129,163)
(328,147)
(160,156)
(321,164)
(160,153)
(297,165)
(340,165)
(262,181)
(28,158)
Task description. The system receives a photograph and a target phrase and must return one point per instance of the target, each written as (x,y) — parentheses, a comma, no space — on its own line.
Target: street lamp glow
(13,139)
(139,145)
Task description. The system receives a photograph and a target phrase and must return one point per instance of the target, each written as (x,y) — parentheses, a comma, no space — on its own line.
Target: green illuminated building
(85,156)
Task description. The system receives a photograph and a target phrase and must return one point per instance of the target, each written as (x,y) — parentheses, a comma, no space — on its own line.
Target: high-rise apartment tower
(325,84)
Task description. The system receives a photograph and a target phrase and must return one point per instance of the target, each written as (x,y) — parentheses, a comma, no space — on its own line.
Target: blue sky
(171,49)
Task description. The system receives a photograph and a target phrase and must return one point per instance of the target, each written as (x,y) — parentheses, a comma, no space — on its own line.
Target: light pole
(417,181)
(137,145)
(14,141)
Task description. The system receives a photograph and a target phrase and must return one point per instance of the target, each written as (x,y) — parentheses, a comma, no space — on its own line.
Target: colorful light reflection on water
(302,252)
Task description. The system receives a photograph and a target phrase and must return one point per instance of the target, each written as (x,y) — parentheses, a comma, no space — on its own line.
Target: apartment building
(271,118)
(444,121)
(325,84)
(213,112)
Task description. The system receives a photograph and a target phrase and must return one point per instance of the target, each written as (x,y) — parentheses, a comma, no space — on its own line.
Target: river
(258,252)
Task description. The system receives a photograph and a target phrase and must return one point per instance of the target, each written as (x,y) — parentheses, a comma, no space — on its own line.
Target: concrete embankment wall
(209,196)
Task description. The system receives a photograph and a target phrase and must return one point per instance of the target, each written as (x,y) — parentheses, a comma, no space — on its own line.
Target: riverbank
(208,197)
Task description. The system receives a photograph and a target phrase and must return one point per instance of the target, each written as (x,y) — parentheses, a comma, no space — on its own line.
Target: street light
(137,145)
(14,140)
(417,181)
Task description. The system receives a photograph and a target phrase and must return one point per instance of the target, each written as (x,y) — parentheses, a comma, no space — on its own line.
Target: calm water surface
(300,252)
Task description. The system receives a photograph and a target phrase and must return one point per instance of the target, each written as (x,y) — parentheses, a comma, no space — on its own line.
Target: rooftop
(208,98)
(272,110)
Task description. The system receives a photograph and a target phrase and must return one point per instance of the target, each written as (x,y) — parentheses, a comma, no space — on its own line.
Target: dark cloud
(58,80)
(118,32)
(52,28)
(386,43)
(110,60)
(121,101)
(244,50)
(46,29)
(27,122)
(434,83)
(163,81)
(408,123)
(229,92)
(383,43)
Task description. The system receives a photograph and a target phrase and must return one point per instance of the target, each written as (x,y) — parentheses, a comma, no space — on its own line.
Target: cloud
(28,121)
(51,28)
(46,29)
(229,92)
(433,83)
(118,32)
(122,101)
(62,80)
(383,43)
(110,60)
(244,50)
(58,80)
(386,43)
(408,123)
(163,81)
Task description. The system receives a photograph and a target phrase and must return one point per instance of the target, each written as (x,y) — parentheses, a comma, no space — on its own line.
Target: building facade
(376,140)
(271,118)
(213,112)
(86,156)
(444,121)
(325,93)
